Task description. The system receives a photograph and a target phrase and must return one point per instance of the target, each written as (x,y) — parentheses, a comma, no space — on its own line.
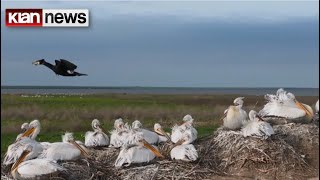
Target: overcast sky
(186,44)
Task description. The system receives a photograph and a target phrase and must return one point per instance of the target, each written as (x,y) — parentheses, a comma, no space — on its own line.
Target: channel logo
(47,17)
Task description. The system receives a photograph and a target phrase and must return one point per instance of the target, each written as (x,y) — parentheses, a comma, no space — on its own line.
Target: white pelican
(119,134)
(35,168)
(66,150)
(27,138)
(186,129)
(317,106)
(136,150)
(96,138)
(24,128)
(235,117)
(257,127)
(184,152)
(149,136)
(163,136)
(283,107)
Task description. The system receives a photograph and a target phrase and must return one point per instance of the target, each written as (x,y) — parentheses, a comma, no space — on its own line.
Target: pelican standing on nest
(257,127)
(27,139)
(235,117)
(149,136)
(69,149)
(119,134)
(136,150)
(179,131)
(35,168)
(283,108)
(97,137)
(24,128)
(163,136)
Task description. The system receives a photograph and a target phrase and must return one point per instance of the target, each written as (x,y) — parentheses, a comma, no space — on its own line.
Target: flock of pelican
(29,158)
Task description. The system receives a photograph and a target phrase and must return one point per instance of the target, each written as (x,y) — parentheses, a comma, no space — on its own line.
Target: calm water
(150,90)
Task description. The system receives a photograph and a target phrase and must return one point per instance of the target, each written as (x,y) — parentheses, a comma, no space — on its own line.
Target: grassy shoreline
(74,113)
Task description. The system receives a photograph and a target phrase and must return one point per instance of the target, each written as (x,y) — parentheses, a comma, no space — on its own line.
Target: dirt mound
(291,153)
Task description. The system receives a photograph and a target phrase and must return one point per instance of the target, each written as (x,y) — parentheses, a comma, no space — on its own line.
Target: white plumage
(136,150)
(284,105)
(119,134)
(34,168)
(184,130)
(317,106)
(184,152)
(66,150)
(27,138)
(149,136)
(97,137)
(235,117)
(257,127)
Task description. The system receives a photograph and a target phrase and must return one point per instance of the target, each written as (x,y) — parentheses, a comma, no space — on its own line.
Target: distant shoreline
(75,90)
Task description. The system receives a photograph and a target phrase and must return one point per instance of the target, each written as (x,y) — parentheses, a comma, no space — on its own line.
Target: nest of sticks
(291,153)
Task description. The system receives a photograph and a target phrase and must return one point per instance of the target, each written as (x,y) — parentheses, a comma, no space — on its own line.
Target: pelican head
(38,62)
(24,127)
(188,119)
(254,115)
(291,96)
(280,91)
(118,124)
(33,130)
(158,129)
(238,101)
(68,138)
(96,124)
(136,124)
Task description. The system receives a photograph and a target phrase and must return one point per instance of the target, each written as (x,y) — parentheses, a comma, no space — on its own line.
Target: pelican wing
(281,110)
(37,167)
(135,154)
(93,139)
(68,65)
(15,150)
(257,129)
(150,137)
(61,151)
(185,152)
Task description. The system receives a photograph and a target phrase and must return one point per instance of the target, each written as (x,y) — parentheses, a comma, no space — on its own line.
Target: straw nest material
(291,153)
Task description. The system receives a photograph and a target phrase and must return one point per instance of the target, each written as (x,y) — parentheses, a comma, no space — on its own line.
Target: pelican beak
(20,160)
(161,132)
(82,150)
(151,148)
(35,63)
(100,129)
(181,141)
(260,118)
(27,133)
(303,108)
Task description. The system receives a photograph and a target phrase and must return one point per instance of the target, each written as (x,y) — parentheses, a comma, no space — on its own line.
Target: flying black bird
(62,67)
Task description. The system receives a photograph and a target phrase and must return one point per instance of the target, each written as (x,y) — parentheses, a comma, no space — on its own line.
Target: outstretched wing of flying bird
(68,65)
